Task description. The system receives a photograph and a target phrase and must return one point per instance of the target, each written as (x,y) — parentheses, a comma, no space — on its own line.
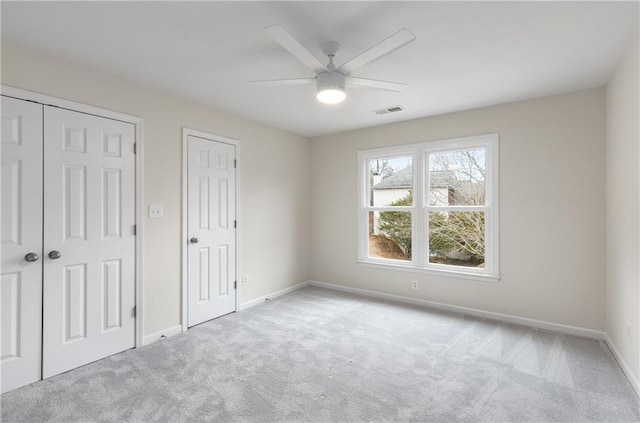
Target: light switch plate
(156,211)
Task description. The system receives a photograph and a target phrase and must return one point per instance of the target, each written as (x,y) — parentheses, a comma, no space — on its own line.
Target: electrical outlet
(414,284)
(245,280)
(156,211)
(628,331)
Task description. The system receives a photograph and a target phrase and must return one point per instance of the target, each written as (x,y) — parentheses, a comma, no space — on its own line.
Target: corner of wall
(622,176)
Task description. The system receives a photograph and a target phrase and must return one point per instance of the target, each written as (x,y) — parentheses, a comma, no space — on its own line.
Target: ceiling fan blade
(274,82)
(286,40)
(384,47)
(374,83)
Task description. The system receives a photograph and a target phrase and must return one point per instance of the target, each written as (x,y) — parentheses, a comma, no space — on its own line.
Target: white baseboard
(169,332)
(623,364)
(262,299)
(541,324)
(177,329)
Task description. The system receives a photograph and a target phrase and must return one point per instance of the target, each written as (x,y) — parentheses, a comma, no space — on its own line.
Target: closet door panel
(89,232)
(21,233)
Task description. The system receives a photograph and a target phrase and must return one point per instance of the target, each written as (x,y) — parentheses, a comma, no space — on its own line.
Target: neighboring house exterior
(392,188)
(445,189)
(386,191)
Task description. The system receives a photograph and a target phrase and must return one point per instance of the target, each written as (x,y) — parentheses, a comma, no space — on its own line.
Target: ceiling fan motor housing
(330,80)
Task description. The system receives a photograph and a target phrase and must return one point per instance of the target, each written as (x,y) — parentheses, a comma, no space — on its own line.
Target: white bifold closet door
(89,218)
(21,290)
(68,240)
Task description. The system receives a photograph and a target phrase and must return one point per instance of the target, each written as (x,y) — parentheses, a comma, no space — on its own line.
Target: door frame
(138,123)
(186,132)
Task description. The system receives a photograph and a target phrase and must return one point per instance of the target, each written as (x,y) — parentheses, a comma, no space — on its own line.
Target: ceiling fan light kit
(330,87)
(330,81)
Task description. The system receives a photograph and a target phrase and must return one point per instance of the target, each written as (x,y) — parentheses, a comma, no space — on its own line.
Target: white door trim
(186,132)
(138,122)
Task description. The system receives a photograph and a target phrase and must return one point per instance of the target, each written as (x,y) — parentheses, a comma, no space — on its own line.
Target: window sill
(482,277)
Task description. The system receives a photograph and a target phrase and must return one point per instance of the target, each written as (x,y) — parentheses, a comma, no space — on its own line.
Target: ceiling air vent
(388,110)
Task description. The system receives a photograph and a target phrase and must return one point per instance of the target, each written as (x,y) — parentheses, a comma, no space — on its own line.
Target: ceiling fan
(331,79)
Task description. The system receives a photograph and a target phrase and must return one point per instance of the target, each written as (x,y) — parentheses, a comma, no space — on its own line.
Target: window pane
(457,177)
(456,238)
(390,235)
(391,181)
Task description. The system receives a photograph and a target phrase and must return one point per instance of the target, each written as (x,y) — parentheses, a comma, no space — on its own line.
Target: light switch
(156,211)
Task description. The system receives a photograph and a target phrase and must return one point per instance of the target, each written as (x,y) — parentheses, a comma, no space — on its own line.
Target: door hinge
(235,284)
(135,148)
(134,311)
(235,163)
(235,224)
(135,229)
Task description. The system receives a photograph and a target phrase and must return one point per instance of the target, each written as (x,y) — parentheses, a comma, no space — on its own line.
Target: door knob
(54,255)
(32,257)
(194,240)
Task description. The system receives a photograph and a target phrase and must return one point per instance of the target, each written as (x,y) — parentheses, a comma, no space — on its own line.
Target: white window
(431,207)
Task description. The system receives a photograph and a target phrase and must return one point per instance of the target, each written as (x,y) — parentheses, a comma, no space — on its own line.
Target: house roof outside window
(404,179)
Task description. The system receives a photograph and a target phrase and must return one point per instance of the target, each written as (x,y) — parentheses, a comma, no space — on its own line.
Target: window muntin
(448,206)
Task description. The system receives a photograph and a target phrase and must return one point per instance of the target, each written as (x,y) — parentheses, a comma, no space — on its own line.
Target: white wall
(551,209)
(623,211)
(274,170)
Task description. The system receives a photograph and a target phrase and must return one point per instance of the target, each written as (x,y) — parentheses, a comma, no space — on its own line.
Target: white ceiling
(466,54)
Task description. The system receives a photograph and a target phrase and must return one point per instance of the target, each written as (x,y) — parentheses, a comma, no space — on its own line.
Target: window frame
(419,210)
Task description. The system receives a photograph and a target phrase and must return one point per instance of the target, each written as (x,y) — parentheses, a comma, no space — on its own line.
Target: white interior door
(211,218)
(21,291)
(89,239)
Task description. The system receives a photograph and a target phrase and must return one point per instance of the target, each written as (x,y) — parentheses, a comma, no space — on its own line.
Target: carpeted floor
(320,355)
